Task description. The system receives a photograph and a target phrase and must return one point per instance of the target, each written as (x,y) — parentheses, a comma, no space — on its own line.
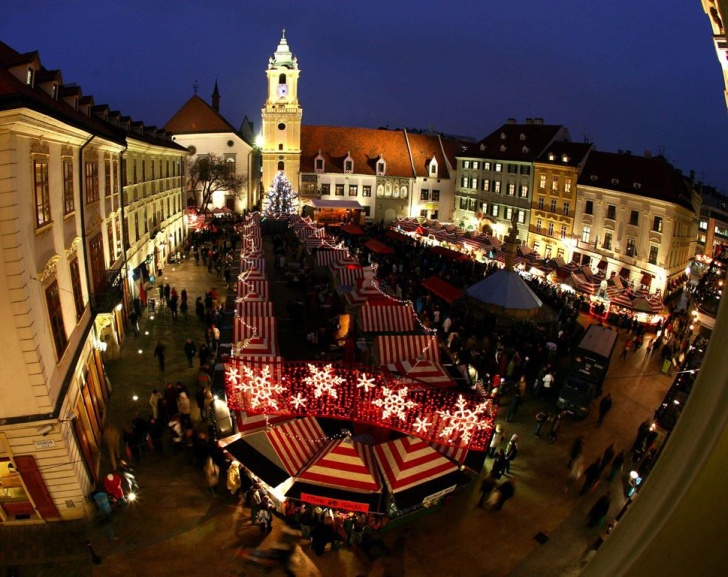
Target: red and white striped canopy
(252,274)
(457,454)
(256,328)
(348,276)
(345,263)
(393,348)
(424,371)
(319,242)
(247,263)
(363,293)
(330,256)
(305,231)
(409,461)
(387,319)
(344,464)
(295,443)
(247,309)
(254,290)
(250,423)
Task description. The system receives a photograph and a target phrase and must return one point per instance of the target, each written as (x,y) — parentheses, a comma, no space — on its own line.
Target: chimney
(511,121)
(216,99)
(538,121)
(529,120)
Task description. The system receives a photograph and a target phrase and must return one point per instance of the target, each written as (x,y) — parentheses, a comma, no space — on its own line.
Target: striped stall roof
(346,263)
(250,423)
(409,461)
(296,442)
(256,328)
(319,242)
(254,289)
(247,263)
(387,319)
(423,371)
(345,464)
(247,309)
(348,276)
(330,256)
(363,293)
(457,454)
(393,348)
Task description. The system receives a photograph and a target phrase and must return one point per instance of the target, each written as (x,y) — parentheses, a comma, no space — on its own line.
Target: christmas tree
(281,198)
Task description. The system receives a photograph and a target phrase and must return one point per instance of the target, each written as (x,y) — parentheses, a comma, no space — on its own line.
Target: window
(703,225)
(463,203)
(511,189)
(230,166)
(486,184)
(512,169)
(107,177)
(42,195)
(524,190)
(474,183)
(348,166)
(55,315)
(281,166)
(423,212)
(552,206)
(435,214)
(475,165)
(589,208)
(494,210)
(525,169)
(539,224)
(631,248)
(652,259)
(551,229)
(466,164)
(634,217)
(540,203)
(319,165)
(497,186)
(563,231)
(68,199)
(612,212)
(433,168)
(325,190)
(566,208)
(76,284)
(144,169)
(339,190)
(607,244)
(91,170)
(486,165)
(498,167)
(380,190)
(567,185)
(542,181)
(509,213)
(381,168)
(555,183)
(472,204)
(435,196)
(521,216)
(464,182)
(116,175)
(424,194)
(657,224)
(353,190)
(585,233)
(366,190)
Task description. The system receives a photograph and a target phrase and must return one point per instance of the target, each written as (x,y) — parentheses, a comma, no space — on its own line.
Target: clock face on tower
(282,90)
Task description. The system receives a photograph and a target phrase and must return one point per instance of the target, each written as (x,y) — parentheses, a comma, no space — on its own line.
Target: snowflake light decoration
(323,381)
(421,425)
(233,376)
(463,421)
(299,401)
(260,387)
(394,403)
(366,383)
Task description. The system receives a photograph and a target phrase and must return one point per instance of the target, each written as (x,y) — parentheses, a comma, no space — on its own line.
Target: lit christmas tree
(281,198)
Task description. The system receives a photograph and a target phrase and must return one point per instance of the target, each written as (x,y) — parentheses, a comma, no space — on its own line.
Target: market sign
(335,503)
(430,499)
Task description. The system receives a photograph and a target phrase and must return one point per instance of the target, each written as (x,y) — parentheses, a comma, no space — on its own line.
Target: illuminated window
(497,186)
(607,244)
(657,224)
(68,199)
(466,164)
(524,191)
(555,183)
(107,177)
(339,190)
(486,184)
(498,167)
(585,233)
(366,190)
(474,183)
(567,186)
(42,195)
(542,181)
(55,315)
(511,189)
(652,259)
(353,190)
(325,190)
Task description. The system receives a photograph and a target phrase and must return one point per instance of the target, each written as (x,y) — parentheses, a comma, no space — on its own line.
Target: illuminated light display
(289,388)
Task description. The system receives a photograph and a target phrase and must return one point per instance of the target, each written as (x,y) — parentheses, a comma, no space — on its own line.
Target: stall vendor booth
(334,212)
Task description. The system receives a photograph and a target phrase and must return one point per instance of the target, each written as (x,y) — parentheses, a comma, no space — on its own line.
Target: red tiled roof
(576,153)
(196,116)
(423,149)
(524,142)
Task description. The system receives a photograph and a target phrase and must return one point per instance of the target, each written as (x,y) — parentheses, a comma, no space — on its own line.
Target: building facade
(64,290)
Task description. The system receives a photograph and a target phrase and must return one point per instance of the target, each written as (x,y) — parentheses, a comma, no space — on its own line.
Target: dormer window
(318,163)
(615,181)
(522,136)
(348,164)
(482,147)
(565,158)
(552,156)
(381,167)
(503,148)
(637,185)
(524,150)
(433,168)
(593,177)
(30,77)
(503,136)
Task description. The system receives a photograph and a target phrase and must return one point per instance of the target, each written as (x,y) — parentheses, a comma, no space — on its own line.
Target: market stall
(387,318)
(394,348)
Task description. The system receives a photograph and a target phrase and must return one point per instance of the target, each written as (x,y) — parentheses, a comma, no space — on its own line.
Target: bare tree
(210,173)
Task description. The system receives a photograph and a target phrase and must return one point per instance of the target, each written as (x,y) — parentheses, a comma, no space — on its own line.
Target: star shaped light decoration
(366,383)
(463,421)
(323,381)
(394,403)
(299,401)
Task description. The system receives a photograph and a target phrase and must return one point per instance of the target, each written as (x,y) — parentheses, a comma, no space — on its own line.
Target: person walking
(499,464)
(599,511)
(605,405)
(212,474)
(496,441)
(160,351)
(616,467)
(511,453)
(625,350)
(591,475)
(577,449)
(541,418)
(607,457)
(190,351)
(505,491)
(575,472)
(486,488)
(154,400)
(556,426)
(513,408)
(134,321)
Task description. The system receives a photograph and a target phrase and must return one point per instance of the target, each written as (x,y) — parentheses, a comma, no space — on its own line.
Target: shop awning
(394,348)
(247,309)
(330,255)
(258,464)
(257,263)
(443,289)
(394,235)
(260,332)
(352,229)
(363,293)
(378,247)
(409,461)
(329,203)
(448,253)
(454,452)
(313,242)
(422,371)
(387,319)
(344,464)
(348,276)
(254,289)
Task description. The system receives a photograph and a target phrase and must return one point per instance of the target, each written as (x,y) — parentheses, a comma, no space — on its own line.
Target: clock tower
(282,114)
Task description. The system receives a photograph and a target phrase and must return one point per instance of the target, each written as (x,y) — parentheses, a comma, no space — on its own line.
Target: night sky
(625,74)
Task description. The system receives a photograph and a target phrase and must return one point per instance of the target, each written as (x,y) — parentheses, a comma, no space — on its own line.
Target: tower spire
(216,98)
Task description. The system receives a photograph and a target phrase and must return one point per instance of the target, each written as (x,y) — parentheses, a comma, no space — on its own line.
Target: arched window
(282,79)
(281,165)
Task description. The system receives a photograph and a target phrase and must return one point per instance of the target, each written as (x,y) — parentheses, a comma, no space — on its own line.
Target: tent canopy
(423,371)
(505,290)
(409,461)
(442,288)
(387,319)
(378,247)
(394,348)
(346,464)
(327,203)
(352,229)
(451,254)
